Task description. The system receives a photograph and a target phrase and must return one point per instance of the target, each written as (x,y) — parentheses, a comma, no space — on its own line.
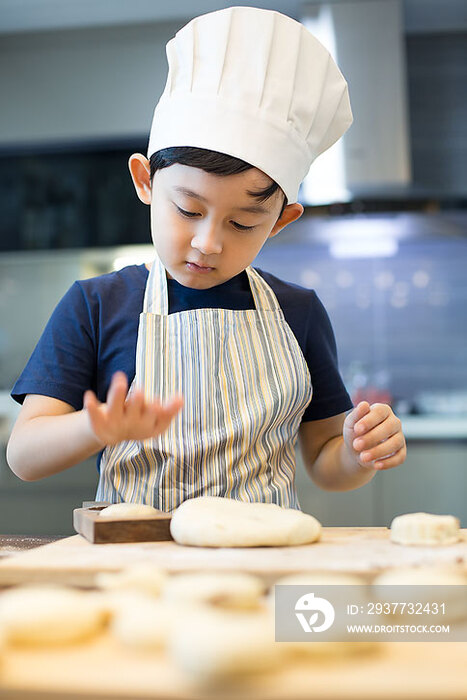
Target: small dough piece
(50,615)
(210,645)
(211,521)
(146,577)
(425,529)
(321,578)
(316,578)
(425,579)
(141,621)
(228,590)
(331,648)
(129,511)
(421,576)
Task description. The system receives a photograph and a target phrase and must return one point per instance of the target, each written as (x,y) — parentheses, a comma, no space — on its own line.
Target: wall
(68,85)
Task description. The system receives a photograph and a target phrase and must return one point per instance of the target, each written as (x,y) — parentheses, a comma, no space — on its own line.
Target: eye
(242,228)
(189,214)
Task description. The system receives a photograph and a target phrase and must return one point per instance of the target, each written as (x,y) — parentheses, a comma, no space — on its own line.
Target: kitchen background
(383,239)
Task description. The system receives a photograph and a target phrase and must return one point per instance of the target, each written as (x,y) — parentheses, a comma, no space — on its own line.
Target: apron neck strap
(156,300)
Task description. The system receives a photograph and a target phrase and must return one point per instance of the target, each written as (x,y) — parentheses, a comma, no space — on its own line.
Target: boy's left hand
(374,435)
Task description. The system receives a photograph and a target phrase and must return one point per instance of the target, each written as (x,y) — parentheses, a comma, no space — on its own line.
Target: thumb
(360,410)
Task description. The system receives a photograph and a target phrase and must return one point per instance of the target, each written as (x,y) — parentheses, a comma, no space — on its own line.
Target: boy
(251,99)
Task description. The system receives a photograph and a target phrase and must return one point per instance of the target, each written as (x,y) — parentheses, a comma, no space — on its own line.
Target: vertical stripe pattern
(246,385)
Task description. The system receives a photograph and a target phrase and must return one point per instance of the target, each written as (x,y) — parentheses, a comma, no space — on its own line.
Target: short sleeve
(63,362)
(330,396)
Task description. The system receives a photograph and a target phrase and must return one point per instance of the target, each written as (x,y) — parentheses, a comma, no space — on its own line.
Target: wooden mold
(88,523)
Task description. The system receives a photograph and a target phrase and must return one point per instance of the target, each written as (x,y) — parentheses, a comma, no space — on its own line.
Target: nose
(207,239)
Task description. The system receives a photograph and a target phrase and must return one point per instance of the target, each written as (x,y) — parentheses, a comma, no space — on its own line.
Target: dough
(425,529)
(148,578)
(421,576)
(129,511)
(425,579)
(320,578)
(49,614)
(141,621)
(331,648)
(230,590)
(210,521)
(210,645)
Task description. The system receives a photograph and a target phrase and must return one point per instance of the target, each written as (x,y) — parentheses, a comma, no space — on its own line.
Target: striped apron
(246,385)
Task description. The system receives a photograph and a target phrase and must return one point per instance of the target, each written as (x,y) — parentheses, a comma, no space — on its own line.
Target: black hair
(210,162)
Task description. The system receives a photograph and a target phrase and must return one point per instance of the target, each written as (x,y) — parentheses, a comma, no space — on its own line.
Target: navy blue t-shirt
(93,330)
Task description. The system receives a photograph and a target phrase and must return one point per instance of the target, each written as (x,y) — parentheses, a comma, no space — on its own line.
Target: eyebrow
(254,208)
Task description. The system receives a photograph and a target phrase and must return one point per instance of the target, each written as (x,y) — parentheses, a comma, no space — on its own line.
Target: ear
(292,212)
(141,175)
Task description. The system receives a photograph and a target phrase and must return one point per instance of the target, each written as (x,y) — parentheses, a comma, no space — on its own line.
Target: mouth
(194,267)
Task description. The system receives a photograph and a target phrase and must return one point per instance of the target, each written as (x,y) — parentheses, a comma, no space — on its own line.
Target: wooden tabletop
(103,669)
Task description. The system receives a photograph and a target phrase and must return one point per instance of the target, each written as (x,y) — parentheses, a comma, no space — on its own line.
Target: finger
(356,414)
(92,406)
(134,405)
(393,461)
(116,396)
(377,413)
(163,414)
(384,449)
(381,432)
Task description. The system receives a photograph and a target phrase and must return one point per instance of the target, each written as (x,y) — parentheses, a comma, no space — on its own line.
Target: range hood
(366,38)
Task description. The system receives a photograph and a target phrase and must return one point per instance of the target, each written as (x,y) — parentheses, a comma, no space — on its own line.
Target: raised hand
(128,416)
(374,434)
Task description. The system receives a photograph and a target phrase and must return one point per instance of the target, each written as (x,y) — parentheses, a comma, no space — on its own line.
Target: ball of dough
(49,615)
(141,621)
(129,511)
(336,647)
(421,576)
(441,585)
(425,529)
(209,645)
(320,578)
(145,577)
(211,521)
(229,590)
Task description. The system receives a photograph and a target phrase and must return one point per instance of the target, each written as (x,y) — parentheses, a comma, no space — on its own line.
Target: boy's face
(200,225)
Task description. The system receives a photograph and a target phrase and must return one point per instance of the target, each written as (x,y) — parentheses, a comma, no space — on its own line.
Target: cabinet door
(354,508)
(433,479)
(44,507)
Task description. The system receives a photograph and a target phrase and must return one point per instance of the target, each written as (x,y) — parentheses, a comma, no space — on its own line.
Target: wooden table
(103,669)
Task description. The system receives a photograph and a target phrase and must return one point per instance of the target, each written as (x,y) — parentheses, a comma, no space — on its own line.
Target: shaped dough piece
(320,578)
(229,590)
(209,645)
(211,521)
(141,621)
(425,529)
(323,649)
(129,511)
(145,577)
(425,580)
(49,615)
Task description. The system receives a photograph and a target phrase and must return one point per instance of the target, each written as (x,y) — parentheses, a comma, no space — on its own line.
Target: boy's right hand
(128,416)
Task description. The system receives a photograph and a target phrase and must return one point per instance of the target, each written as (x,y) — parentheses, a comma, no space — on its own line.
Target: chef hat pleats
(254,84)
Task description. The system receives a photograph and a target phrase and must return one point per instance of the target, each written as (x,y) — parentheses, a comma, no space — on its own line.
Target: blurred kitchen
(383,239)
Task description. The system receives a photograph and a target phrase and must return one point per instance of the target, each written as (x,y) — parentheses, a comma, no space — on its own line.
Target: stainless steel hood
(367,40)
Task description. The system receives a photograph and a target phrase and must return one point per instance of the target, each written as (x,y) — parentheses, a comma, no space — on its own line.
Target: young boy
(225,359)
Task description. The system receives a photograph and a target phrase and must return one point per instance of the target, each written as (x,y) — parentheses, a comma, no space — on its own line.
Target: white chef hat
(254,84)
